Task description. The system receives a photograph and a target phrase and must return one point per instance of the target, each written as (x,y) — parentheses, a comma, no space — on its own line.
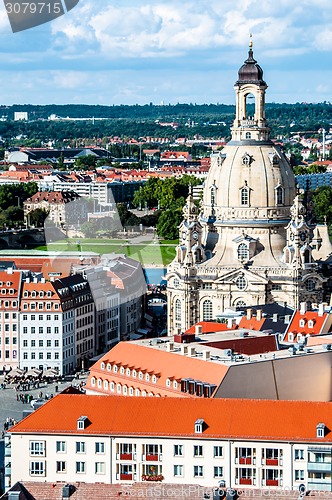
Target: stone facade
(254,239)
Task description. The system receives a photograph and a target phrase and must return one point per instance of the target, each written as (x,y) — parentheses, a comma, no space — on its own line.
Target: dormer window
(320,430)
(302,323)
(154,379)
(199,426)
(122,370)
(109,367)
(102,365)
(93,381)
(26,293)
(140,375)
(311,323)
(33,294)
(128,372)
(115,369)
(175,384)
(82,423)
(134,373)
(147,377)
(168,383)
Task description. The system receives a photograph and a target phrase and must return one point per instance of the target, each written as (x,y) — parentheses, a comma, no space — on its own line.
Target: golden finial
(250,43)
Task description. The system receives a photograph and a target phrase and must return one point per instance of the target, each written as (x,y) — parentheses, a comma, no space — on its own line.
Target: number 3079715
(34,8)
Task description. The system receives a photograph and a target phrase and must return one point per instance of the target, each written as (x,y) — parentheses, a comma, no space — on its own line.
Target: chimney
(9,270)
(184,350)
(42,280)
(198,330)
(321,309)
(249,313)
(35,280)
(27,280)
(178,331)
(287,319)
(230,323)
(303,308)
(206,355)
(191,351)
(275,318)
(259,314)
(170,346)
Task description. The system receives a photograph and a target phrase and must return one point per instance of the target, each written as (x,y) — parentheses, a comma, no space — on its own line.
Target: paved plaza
(13,409)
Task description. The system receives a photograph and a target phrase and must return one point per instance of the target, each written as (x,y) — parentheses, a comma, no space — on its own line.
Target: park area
(148,252)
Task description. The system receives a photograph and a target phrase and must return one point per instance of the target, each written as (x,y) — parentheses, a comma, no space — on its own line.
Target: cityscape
(165,265)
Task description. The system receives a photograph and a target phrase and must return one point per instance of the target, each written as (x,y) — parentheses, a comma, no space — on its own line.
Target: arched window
(245,196)
(310,285)
(306,256)
(213,195)
(239,303)
(279,195)
(207,310)
(242,252)
(178,310)
(248,135)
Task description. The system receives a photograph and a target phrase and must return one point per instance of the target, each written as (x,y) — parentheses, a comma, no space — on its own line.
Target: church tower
(251,242)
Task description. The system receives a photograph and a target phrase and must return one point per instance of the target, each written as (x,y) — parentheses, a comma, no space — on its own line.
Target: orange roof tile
(241,418)
(167,364)
(210,327)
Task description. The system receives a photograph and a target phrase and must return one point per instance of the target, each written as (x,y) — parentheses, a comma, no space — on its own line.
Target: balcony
(319,467)
(126,456)
(151,457)
(271,461)
(126,477)
(245,460)
(245,480)
(272,482)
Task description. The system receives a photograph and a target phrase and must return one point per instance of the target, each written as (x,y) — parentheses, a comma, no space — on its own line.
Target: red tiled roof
(225,418)
(153,360)
(252,323)
(248,346)
(210,327)
(318,320)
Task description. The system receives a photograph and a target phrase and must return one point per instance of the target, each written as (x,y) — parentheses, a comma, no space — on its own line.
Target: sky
(168,51)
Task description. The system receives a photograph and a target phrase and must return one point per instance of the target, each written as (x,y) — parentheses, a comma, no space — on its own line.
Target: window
(100,447)
(310,285)
(320,430)
(61,446)
(178,310)
(279,195)
(61,466)
(178,450)
(56,343)
(37,448)
(248,136)
(41,355)
(33,329)
(207,310)
(80,447)
(299,454)
(218,471)
(100,467)
(178,470)
(48,343)
(241,282)
(48,329)
(41,343)
(217,451)
(198,471)
(37,468)
(33,355)
(25,343)
(299,475)
(198,451)
(245,196)
(33,343)
(48,355)
(242,252)
(80,467)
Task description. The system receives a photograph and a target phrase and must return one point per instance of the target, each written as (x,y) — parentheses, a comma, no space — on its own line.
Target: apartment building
(10,291)
(46,328)
(235,442)
(76,290)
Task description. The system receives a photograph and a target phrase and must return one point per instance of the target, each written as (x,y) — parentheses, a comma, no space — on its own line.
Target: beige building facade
(254,239)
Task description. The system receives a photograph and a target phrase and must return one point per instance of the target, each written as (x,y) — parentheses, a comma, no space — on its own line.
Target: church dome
(250,71)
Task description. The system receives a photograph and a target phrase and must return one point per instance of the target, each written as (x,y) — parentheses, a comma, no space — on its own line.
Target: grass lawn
(148,254)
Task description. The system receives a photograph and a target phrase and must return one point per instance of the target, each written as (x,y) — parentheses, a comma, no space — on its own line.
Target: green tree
(37,217)
(168,223)
(322,198)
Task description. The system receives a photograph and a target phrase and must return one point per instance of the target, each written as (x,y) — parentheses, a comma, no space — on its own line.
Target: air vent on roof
(327,347)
